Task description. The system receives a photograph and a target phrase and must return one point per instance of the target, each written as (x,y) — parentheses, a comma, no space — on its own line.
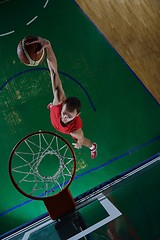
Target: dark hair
(73,103)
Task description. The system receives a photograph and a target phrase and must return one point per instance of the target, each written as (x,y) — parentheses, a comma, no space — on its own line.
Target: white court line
(46,3)
(113,214)
(7,33)
(31,20)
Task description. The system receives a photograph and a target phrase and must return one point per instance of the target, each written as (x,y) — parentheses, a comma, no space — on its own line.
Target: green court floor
(118,112)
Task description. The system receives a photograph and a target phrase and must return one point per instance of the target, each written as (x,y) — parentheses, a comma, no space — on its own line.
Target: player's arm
(58,92)
(78,134)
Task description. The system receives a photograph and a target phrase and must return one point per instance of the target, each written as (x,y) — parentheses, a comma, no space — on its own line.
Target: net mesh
(42,165)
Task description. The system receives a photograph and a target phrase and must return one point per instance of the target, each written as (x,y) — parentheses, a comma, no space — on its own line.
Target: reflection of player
(65,112)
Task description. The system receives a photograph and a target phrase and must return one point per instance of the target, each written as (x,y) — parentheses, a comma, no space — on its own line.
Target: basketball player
(64,112)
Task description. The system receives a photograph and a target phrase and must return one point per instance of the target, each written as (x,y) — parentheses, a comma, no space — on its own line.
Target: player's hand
(77,145)
(44,43)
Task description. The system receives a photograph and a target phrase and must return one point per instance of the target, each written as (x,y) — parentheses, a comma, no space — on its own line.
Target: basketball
(28,53)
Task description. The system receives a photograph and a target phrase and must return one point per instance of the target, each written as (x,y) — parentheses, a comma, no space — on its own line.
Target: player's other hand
(77,145)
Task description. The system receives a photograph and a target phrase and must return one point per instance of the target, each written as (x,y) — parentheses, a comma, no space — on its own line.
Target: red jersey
(55,116)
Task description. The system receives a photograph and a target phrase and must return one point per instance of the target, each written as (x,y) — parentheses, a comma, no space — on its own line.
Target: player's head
(70,109)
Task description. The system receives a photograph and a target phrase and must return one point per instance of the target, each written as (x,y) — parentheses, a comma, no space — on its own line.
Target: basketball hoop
(42,165)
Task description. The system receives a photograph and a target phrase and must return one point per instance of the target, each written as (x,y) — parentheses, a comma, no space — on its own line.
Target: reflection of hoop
(42,166)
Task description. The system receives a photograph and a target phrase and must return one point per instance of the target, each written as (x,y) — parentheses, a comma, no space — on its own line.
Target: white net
(42,164)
